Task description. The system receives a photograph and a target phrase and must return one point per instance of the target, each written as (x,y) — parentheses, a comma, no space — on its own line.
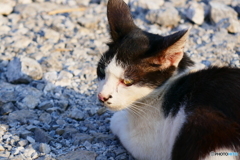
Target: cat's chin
(115,108)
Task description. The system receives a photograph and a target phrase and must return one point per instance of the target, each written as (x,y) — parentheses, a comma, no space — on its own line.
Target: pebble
(6,6)
(23,70)
(165,16)
(44,148)
(220,12)
(195,12)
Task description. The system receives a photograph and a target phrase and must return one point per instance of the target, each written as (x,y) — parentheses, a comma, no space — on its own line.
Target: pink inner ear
(171,59)
(175,58)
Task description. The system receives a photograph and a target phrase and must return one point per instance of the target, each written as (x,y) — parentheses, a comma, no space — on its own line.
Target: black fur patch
(212,103)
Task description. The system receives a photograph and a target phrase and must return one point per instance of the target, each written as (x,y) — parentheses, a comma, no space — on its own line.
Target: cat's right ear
(119,18)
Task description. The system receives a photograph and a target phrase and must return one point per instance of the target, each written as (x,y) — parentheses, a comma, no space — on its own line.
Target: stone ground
(49,50)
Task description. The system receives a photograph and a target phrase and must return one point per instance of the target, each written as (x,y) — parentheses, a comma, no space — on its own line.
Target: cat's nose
(103,98)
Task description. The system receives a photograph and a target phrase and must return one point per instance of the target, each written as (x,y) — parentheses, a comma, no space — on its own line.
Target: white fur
(150,136)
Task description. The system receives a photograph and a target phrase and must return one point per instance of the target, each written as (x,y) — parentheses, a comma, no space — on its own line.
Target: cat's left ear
(174,51)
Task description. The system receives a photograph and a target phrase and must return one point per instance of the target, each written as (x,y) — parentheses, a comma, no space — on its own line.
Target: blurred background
(49,50)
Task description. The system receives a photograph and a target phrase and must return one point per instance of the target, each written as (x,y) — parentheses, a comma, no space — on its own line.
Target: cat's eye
(128,82)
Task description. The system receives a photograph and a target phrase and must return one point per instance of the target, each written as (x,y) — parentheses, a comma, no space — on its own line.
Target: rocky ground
(48,54)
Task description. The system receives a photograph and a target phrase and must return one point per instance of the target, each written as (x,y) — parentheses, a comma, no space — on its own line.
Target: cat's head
(137,62)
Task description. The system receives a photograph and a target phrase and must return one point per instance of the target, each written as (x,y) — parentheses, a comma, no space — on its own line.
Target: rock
(101,136)
(51,35)
(24,1)
(3,20)
(23,143)
(25,134)
(78,154)
(101,110)
(7,93)
(6,6)
(4,127)
(83,2)
(30,152)
(21,116)
(76,114)
(7,108)
(32,9)
(88,22)
(30,139)
(51,64)
(165,16)
(79,138)
(63,104)
(46,105)
(220,12)
(41,136)
(226,2)
(150,4)
(23,70)
(2,148)
(195,12)
(64,78)
(44,148)
(178,3)
(46,157)
(60,131)
(237,9)
(45,118)
(50,76)
(4,154)
(21,42)
(30,101)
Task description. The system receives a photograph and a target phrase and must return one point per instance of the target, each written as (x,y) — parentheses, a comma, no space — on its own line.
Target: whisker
(146,108)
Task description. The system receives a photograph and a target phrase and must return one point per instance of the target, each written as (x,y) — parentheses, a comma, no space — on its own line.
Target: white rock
(52,35)
(149,4)
(22,42)
(165,16)
(44,148)
(24,1)
(195,12)
(6,6)
(2,148)
(50,76)
(220,11)
(23,70)
(3,20)
(64,78)
(178,2)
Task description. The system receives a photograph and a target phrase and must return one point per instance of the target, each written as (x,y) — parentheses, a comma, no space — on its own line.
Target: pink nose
(103,98)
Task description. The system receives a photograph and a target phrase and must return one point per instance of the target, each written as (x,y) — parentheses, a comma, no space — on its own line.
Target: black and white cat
(164,111)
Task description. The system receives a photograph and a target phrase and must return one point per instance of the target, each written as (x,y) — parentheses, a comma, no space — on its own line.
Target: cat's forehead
(114,69)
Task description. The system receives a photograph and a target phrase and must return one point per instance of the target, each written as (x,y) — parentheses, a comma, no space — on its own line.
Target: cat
(164,111)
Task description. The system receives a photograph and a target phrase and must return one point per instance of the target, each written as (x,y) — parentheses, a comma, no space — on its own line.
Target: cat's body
(164,111)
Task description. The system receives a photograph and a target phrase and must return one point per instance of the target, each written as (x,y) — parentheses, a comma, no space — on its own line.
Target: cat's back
(211,99)
(217,88)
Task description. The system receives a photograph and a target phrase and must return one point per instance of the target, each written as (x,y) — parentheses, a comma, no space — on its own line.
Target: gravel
(48,106)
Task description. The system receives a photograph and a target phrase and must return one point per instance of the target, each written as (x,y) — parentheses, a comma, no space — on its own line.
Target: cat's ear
(119,18)
(174,51)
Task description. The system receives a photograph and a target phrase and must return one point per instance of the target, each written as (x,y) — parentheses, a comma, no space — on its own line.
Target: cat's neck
(149,108)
